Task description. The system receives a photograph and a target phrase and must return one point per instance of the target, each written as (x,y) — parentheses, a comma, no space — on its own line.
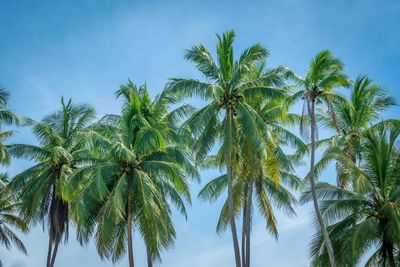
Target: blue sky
(85,49)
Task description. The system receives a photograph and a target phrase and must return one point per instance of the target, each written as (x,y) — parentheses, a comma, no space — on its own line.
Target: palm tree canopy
(61,139)
(368,218)
(325,73)
(229,82)
(139,153)
(268,194)
(6,117)
(271,171)
(10,220)
(355,115)
(362,109)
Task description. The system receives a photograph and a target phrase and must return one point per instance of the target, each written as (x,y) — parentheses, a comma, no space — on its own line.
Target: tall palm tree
(324,74)
(260,175)
(226,87)
(140,166)
(354,115)
(367,221)
(273,162)
(61,139)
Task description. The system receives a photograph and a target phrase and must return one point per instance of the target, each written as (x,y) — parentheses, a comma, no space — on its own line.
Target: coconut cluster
(230,102)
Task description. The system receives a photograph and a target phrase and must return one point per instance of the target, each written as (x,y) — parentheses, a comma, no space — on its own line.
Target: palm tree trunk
(392,262)
(231,211)
(328,244)
(49,252)
(52,235)
(232,216)
(387,247)
(149,258)
(53,257)
(129,229)
(244,236)
(248,221)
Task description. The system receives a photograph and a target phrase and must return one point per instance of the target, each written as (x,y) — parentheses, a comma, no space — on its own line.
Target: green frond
(183,88)
(213,189)
(225,54)
(204,61)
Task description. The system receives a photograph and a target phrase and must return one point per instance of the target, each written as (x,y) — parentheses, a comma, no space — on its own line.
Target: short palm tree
(9,220)
(268,192)
(325,73)
(61,139)
(6,117)
(354,115)
(141,165)
(226,87)
(364,223)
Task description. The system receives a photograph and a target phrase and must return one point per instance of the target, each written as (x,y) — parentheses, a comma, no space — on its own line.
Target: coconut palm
(264,174)
(6,117)
(8,207)
(267,193)
(273,162)
(364,224)
(354,115)
(61,138)
(9,220)
(325,73)
(226,87)
(140,167)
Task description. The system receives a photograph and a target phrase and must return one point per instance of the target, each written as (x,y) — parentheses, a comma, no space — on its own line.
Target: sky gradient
(85,49)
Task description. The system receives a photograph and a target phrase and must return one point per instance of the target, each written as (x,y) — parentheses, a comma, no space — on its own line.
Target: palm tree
(354,115)
(9,220)
(8,207)
(261,174)
(220,121)
(367,220)
(140,166)
(266,192)
(324,74)
(6,117)
(274,163)
(61,139)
